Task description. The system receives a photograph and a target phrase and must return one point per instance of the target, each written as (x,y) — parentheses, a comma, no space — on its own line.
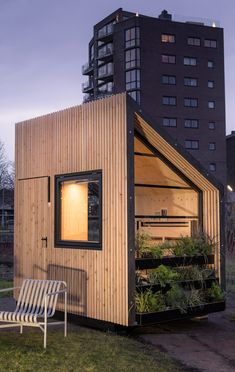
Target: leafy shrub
(215,293)
(147,301)
(163,275)
(194,297)
(176,298)
(142,243)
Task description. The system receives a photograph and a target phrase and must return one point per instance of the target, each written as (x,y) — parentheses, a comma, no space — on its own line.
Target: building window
(132,37)
(192,144)
(167,38)
(210,64)
(167,58)
(169,79)
(169,122)
(210,43)
(191,123)
(106,88)
(105,50)
(211,104)
(78,210)
(212,167)
(92,52)
(195,41)
(190,82)
(212,146)
(211,125)
(190,61)
(190,102)
(132,79)
(170,101)
(105,70)
(135,94)
(132,58)
(106,30)
(210,84)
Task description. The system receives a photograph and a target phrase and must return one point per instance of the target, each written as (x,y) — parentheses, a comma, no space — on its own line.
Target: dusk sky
(43,44)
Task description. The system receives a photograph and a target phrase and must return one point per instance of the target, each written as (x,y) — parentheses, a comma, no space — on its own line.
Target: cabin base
(170,315)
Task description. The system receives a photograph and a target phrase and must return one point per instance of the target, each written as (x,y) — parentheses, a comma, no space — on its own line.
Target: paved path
(204,345)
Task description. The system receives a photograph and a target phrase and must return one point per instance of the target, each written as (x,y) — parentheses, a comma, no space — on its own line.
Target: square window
(171,101)
(210,43)
(211,104)
(190,82)
(190,102)
(210,64)
(211,125)
(212,167)
(166,58)
(78,210)
(212,146)
(190,61)
(210,84)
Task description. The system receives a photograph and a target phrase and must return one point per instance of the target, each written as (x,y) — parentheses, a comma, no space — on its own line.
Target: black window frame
(133,61)
(211,125)
(79,244)
(169,58)
(167,41)
(168,124)
(190,100)
(191,141)
(134,40)
(210,43)
(214,167)
(212,146)
(210,84)
(190,79)
(167,79)
(211,107)
(169,99)
(192,41)
(136,81)
(190,121)
(190,59)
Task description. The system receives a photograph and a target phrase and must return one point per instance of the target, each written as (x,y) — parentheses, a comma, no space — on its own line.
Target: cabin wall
(83,138)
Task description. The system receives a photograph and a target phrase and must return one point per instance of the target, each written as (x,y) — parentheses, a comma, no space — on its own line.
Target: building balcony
(88,97)
(87,68)
(106,53)
(106,32)
(87,87)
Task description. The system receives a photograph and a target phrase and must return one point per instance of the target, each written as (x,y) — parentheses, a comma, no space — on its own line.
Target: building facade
(175,72)
(230,146)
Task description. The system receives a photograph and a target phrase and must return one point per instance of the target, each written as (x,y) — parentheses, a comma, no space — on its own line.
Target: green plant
(194,297)
(147,301)
(163,275)
(142,243)
(176,298)
(193,246)
(215,293)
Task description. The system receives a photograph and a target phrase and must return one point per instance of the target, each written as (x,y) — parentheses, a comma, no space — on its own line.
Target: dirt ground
(201,344)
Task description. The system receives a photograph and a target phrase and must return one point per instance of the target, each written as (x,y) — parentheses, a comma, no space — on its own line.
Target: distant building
(174,70)
(230,145)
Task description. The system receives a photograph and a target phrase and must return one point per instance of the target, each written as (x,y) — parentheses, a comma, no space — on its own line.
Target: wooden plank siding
(81,138)
(211,195)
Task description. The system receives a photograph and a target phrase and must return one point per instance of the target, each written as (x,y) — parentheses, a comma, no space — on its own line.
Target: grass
(83,350)
(6,284)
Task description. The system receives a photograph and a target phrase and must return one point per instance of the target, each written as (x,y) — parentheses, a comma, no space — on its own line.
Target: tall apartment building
(174,70)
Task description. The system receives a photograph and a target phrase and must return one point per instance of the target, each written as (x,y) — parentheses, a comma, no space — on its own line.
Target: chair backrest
(32,296)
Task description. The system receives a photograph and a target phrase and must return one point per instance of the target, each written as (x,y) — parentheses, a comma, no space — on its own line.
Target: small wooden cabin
(88,178)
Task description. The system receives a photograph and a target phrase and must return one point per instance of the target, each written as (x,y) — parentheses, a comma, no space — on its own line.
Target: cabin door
(32,228)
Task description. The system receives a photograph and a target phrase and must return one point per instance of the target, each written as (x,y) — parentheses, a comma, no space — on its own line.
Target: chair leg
(65,314)
(45,336)
(21,329)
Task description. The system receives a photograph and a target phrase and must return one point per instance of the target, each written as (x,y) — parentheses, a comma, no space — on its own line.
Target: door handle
(44,239)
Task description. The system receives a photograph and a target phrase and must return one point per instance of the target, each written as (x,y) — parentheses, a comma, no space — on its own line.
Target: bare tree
(6,179)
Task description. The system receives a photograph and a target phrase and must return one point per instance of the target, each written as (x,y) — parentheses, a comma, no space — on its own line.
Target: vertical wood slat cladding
(211,198)
(83,138)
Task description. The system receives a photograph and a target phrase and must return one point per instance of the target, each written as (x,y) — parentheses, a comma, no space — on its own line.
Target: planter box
(197,284)
(169,315)
(152,263)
